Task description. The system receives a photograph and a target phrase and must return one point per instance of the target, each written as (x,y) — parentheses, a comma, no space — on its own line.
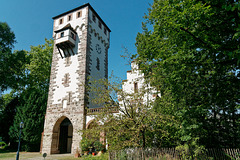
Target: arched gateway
(79,53)
(62,136)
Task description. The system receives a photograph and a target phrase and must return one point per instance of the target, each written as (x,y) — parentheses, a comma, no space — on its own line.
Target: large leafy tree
(12,75)
(27,74)
(33,97)
(12,64)
(191,55)
(39,67)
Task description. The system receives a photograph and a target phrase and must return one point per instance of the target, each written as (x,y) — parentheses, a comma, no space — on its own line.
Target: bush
(192,150)
(98,146)
(86,144)
(90,157)
(3,145)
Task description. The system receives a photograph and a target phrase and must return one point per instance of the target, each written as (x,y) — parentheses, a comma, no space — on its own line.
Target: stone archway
(62,136)
(93,124)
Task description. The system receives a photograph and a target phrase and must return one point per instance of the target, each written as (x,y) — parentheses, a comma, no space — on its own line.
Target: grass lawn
(10,155)
(34,156)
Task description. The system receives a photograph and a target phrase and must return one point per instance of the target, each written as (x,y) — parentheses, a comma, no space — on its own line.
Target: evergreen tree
(31,111)
(7,113)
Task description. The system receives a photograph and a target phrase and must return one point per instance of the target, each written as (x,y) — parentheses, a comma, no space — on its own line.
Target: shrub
(85,144)
(98,146)
(3,145)
(90,157)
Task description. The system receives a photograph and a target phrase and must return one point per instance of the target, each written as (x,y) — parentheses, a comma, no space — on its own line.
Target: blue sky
(31,21)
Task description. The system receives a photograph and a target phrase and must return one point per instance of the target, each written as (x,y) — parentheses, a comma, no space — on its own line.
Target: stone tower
(81,42)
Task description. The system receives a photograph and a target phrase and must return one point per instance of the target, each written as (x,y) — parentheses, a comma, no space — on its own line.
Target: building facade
(136,84)
(81,42)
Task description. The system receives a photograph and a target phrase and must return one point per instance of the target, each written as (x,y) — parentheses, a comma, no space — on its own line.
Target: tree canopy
(26,74)
(189,50)
(11,64)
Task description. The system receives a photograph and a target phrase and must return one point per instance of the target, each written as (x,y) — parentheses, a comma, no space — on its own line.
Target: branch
(198,39)
(126,108)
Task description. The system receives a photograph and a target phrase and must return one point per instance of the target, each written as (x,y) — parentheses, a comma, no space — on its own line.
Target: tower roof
(80,7)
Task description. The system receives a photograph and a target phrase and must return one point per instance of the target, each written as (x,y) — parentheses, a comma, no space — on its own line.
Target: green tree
(39,67)
(136,125)
(191,55)
(27,75)
(7,113)
(11,63)
(31,111)
(33,96)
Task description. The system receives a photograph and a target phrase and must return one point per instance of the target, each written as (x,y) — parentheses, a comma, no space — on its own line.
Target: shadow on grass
(6,153)
(7,150)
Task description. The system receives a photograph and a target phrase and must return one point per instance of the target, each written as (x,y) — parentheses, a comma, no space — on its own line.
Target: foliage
(191,54)
(40,64)
(98,146)
(7,38)
(90,157)
(191,151)
(86,144)
(11,63)
(2,145)
(136,125)
(31,111)
(7,113)
(27,74)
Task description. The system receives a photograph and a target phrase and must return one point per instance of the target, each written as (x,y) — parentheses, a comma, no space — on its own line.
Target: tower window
(99,24)
(79,14)
(73,35)
(66,80)
(98,64)
(69,17)
(61,21)
(105,31)
(135,87)
(62,34)
(64,103)
(94,18)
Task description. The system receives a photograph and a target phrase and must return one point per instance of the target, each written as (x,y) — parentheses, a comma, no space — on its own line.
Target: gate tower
(81,42)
